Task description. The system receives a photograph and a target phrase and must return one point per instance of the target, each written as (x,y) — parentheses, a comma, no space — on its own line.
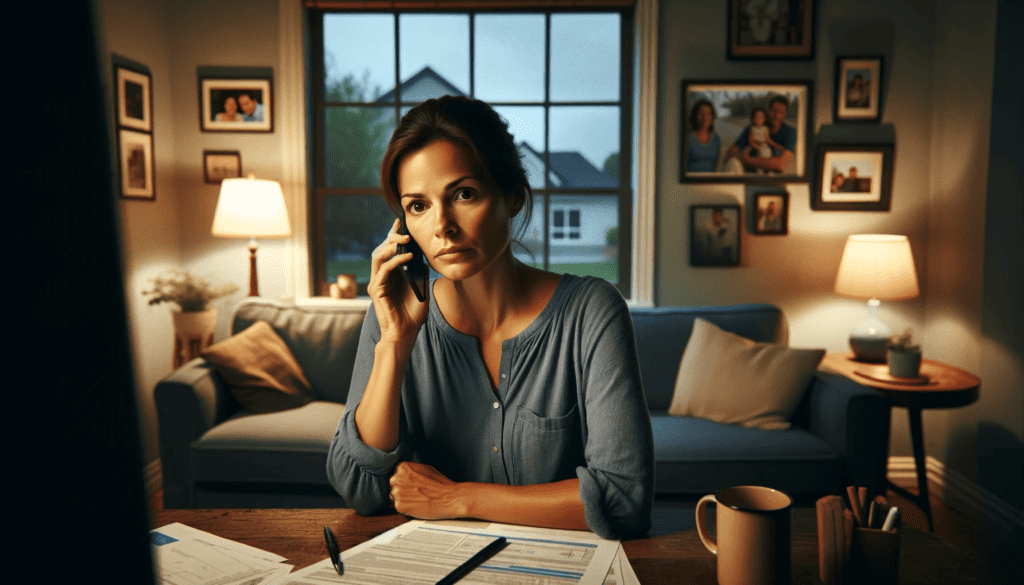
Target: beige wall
(938,61)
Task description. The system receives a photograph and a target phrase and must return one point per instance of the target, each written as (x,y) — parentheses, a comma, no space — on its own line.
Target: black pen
(332,549)
(484,554)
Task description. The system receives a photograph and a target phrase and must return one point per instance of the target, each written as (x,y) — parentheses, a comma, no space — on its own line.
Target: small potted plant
(904,355)
(195,322)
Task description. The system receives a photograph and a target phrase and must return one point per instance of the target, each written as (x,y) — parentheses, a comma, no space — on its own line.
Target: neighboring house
(577,225)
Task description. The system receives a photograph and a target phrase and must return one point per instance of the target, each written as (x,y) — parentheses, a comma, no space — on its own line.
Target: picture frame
(872,166)
(236,104)
(731,105)
(715,235)
(221,164)
(135,154)
(134,99)
(858,89)
(770,30)
(771,213)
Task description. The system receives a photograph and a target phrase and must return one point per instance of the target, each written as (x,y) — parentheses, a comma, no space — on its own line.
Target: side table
(945,387)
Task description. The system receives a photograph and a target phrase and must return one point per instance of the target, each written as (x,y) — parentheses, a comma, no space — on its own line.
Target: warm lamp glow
(877,267)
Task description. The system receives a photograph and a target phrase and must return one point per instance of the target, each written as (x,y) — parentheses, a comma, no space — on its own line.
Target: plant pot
(193,332)
(904,364)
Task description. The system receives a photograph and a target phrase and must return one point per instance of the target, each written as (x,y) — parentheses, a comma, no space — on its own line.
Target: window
(561,79)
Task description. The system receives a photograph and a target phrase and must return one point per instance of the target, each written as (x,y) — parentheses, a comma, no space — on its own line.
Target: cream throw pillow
(729,379)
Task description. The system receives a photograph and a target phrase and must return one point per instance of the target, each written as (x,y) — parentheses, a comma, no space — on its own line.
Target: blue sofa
(216,455)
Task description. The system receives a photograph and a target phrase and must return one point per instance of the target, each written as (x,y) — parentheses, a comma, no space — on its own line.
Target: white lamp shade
(877,267)
(250,208)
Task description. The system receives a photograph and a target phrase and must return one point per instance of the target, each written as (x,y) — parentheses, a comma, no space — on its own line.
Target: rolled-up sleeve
(617,484)
(359,472)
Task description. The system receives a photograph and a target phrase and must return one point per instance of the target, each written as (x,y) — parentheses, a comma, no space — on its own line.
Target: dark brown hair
(478,130)
(696,109)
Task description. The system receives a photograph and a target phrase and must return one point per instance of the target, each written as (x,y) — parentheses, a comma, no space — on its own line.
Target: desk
(947,387)
(673,555)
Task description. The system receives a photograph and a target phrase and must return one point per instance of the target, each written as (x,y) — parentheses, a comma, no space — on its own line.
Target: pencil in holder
(874,556)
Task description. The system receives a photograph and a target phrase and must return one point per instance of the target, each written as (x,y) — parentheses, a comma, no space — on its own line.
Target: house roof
(422,75)
(574,169)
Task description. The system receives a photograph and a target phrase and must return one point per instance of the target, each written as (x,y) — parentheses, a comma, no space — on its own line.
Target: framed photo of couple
(235,105)
(745,131)
(853,177)
(858,89)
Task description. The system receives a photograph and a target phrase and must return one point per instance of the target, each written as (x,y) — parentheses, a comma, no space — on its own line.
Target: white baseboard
(152,476)
(959,493)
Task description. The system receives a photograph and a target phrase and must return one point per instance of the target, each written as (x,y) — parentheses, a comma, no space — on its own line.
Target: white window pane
(509,53)
(359,56)
(439,42)
(585,146)
(585,57)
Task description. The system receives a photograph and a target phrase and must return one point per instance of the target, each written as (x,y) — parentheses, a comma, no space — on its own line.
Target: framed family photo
(858,89)
(221,164)
(769,29)
(135,151)
(771,213)
(236,105)
(715,235)
(745,131)
(134,99)
(853,178)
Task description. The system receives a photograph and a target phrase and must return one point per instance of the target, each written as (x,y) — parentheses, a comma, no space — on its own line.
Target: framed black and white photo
(769,29)
(135,151)
(715,235)
(854,177)
(771,213)
(745,131)
(858,89)
(236,105)
(134,99)
(221,164)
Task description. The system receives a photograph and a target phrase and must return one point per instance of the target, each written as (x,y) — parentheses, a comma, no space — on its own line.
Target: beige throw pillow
(729,379)
(260,370)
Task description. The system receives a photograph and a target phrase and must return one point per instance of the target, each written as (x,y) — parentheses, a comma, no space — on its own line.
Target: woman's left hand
(423,492)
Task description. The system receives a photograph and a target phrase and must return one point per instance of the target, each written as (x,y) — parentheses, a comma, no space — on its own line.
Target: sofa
(214,454)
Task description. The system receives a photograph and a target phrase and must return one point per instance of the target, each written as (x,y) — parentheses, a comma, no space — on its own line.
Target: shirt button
(495,449)
(503,376)
(496,405)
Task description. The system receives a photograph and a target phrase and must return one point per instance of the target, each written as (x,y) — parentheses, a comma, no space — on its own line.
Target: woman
(513,394)
(230,113)
(702,142)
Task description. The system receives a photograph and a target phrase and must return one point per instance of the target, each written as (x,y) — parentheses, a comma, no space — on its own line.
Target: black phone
(415,269)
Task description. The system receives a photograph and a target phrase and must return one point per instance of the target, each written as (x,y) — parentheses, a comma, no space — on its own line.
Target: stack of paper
(187,556)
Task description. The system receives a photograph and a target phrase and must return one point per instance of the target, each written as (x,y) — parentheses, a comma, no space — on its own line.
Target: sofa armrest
(189,402)
(854,419)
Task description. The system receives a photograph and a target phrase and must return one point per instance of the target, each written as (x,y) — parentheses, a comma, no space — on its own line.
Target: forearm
(377,413)
(772,163)
(548,505)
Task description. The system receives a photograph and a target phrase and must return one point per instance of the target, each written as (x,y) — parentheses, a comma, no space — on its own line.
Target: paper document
(187,556)
(419,552)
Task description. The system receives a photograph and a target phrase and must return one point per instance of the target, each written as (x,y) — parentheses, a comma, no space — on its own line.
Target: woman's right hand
(399,312)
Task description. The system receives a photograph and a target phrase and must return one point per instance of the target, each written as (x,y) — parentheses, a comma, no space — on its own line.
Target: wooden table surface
(673,553)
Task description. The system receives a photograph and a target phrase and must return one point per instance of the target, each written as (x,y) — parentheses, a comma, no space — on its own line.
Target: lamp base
(869,349)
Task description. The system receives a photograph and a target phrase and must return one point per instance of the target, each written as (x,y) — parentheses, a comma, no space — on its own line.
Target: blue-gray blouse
(569,403)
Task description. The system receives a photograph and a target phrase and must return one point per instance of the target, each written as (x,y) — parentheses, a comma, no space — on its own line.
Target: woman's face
(230,106)
(459,219)
(705,117)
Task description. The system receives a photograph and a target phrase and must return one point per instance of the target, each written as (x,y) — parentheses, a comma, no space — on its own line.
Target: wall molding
(958,492)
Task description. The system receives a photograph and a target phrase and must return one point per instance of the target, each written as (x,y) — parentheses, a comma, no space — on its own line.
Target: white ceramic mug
(753,531)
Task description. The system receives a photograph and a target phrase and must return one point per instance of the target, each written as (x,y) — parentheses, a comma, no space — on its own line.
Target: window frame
(625,191)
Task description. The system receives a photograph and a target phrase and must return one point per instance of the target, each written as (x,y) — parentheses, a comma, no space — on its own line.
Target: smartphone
(415,269)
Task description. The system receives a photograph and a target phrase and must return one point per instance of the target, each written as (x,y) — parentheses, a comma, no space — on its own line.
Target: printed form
(420,552)
(188,556)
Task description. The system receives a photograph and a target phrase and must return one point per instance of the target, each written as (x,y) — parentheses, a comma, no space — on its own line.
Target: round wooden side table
(940,386)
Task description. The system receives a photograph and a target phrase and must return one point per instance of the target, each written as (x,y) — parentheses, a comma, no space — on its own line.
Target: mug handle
(702,528)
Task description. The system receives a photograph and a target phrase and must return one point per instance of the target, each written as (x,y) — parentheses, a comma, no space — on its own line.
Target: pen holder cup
(874,557)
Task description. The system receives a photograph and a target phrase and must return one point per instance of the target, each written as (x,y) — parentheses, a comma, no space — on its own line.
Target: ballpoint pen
(332,549)
(484,553)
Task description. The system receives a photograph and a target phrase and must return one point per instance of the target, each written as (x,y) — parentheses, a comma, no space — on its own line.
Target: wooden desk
(947,387)
(670,555)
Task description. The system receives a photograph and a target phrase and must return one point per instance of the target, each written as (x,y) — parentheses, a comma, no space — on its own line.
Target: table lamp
(878,268)
(251,208)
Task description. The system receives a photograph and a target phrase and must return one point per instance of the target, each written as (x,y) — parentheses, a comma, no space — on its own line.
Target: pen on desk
(484,554)
(332,549)
(892,519)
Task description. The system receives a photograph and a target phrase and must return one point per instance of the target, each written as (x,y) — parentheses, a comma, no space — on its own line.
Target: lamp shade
(250,208)
(877,267)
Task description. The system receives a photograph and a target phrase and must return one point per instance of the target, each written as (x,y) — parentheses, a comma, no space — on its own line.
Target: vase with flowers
(194,322)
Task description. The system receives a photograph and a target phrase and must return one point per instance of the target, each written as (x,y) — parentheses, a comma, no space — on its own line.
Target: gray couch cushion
(697,456)
(279,447)
(323,339)
(662,333)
